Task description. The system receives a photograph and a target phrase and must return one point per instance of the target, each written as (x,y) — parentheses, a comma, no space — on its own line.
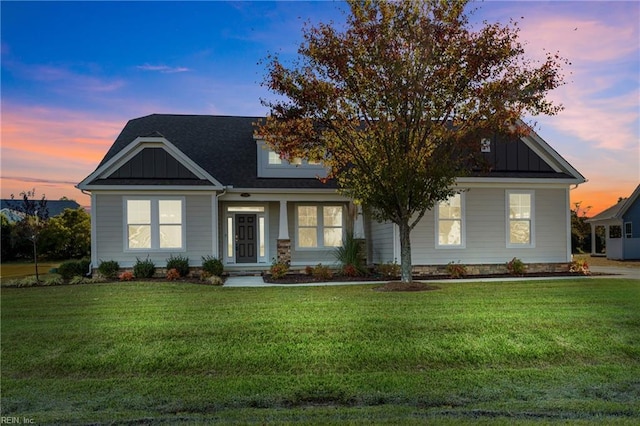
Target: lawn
(142,353)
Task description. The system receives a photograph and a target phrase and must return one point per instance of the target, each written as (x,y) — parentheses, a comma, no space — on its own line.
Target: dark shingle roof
(221,145)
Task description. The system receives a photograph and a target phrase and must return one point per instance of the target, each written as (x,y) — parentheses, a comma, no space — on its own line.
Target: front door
(246,238)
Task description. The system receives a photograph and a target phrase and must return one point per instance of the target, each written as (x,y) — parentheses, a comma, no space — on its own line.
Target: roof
(224,148)
(55,207)
(618,210)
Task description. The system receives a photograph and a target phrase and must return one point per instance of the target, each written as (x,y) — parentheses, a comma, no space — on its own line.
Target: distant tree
(5,244)
(395,105)
(580,229)
(35,219)
(68,235)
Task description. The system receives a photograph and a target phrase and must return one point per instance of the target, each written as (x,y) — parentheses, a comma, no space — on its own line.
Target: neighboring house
(621,223)
(205,186)
(11,208)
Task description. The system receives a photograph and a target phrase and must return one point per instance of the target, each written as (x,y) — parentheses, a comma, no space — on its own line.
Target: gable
(515,156)
(152,163)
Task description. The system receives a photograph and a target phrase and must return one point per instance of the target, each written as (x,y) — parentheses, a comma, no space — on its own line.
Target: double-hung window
(628,231)
(154,223)
(520,219)
(450,222)
(319,226)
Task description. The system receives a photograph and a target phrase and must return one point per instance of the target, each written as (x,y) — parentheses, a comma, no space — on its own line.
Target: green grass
(565,350)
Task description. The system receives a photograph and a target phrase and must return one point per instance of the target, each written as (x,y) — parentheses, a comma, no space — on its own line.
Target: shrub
(215,280)
(456,270)
(173,274)
(78,280)
(349,253)
(308,270)
(28,281)
(180,264)
(109,269)
(388,270)
(126,276)
(516,267)
(72,268)
(322,272)
(144,268)
(350,271)
(278,269)
(53,279)
(580,267)
(212,265)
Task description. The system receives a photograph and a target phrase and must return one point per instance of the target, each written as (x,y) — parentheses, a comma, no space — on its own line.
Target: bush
(73,268)
(53,279)
(456,270)
(322,272)
(388,270)
(180,264)
(28,281)
(126,276)
(308,270)
(215,280)
(109,269)
(173,274)
(212,265)
(516,267)
(350,271)
(78,280)
(580,267)
(349,253)
(144,268)
(278,269)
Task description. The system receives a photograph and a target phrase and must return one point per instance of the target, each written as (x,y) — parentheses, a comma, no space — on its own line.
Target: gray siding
(381,242)
(110,231)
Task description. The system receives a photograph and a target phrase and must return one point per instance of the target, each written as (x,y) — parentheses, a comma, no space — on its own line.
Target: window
(154,224)
(274,158)
(628,230)
(449,222)
(520,224)
(615,231)
(319,226)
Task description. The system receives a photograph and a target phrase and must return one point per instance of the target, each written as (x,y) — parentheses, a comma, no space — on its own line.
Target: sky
(73,74)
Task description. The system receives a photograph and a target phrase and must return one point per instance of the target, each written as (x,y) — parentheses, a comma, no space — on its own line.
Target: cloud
(164,69)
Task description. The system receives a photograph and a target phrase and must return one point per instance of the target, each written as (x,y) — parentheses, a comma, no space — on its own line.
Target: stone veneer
(284,251)
(488,269)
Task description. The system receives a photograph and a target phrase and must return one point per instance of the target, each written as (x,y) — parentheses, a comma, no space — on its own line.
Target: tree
(580,229)
(395,105)
(36,214)
(68,235)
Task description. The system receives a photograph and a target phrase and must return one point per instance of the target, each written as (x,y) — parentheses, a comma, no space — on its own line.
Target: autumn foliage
(396,103)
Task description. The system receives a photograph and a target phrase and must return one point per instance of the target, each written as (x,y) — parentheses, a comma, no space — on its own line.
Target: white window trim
(230,212)
(286,169)
(532,219)
(624,230)
(319,227)
(155,225)
(463,226)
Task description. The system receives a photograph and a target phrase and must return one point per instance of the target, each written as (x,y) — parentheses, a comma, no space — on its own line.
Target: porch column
(283,243)
(358,225)
(593,239)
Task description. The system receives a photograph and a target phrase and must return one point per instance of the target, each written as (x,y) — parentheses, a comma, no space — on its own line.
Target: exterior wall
(486,232)
(304,257)
(109,225)
(631,246)
(381,242)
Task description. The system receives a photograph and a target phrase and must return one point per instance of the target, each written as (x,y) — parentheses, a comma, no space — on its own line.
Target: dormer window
(270,165)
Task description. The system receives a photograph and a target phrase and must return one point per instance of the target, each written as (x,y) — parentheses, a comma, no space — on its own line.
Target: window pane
(261,229)
(307,216)
(274,158)
(138,211)
(333,237)
(139,236)
(307,237)
(230,234)
(449,233)
(170,211)
(520,206)
(170,236)
(332,216)
(451,208)
(519,232)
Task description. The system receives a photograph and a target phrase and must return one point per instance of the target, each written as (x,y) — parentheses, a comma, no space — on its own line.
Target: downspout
(217,221)
(90,271)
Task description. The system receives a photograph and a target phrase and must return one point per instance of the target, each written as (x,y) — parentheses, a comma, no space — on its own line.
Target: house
(11,208)
(195,185)
(621,223)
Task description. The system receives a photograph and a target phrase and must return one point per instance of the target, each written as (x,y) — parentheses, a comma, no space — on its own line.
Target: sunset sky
(73,73)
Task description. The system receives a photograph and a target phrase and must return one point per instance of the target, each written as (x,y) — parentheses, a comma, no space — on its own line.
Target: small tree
(580,229)
(396,104)
(68,235)
(36,214)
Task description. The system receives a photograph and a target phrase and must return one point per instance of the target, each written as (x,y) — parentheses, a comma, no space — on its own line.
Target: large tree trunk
(405,251)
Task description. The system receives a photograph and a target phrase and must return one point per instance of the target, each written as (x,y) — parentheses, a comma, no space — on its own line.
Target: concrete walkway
(612,272)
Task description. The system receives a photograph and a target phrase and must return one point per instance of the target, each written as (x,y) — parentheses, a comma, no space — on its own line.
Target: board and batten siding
(486,232)
(110,233)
